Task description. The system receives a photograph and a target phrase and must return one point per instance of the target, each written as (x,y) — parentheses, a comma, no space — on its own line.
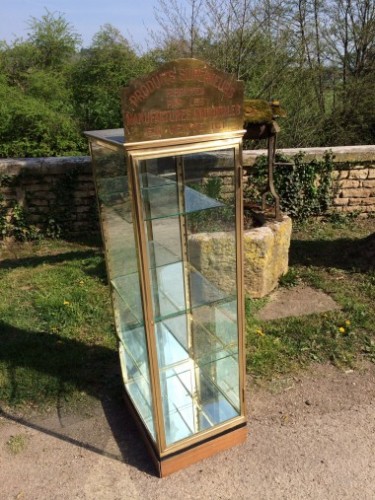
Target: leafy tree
(54,39)
(98,76)
(36,114)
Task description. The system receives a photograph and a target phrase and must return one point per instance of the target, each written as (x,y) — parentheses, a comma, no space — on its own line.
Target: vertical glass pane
(190,220)
(115,206)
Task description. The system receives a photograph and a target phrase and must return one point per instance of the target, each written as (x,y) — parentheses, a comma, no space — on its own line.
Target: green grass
(57,339)
(325,254)
(56,333)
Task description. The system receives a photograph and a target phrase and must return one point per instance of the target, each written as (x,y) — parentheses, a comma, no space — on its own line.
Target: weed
(290,279)
(17,443)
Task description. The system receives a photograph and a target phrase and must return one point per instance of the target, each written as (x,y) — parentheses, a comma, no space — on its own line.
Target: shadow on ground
(343,253)
(93,370)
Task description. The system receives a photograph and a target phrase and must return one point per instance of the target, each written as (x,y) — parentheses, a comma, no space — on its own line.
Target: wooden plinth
(183,459)
(195,453)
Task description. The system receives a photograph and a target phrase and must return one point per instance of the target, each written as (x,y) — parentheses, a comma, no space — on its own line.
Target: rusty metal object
(270,187)
(260,124)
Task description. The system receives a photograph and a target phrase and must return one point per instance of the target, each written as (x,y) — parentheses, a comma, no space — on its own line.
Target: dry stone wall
(57,194)
(60,191)
(353,175)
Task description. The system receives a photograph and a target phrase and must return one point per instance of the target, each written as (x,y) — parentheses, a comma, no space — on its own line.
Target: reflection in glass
(189,218)
(121,256)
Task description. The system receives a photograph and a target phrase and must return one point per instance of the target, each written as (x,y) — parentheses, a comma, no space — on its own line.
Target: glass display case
(171,218)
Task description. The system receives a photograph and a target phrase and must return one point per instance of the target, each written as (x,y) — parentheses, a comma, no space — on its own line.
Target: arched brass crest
(185,97)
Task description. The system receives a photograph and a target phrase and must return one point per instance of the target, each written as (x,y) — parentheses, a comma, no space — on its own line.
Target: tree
(98,76)
(181,23)
(54,38)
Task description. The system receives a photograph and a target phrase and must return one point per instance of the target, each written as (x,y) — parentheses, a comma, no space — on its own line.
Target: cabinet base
(195,453)
(183,459)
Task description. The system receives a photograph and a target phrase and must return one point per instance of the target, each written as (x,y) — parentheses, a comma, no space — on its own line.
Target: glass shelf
(161,197)
(161,256)
(197,393)
(169,295)
(185,413)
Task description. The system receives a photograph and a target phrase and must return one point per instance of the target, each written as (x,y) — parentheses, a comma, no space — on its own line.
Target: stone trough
(266,250)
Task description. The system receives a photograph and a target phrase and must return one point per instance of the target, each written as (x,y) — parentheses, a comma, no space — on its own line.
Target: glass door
(189,217)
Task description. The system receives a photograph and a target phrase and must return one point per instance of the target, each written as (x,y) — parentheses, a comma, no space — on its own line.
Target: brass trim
(183,141)
(171,149)
(178,141)
(240,277)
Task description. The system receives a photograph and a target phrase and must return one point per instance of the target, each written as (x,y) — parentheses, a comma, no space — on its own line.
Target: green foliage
(13,219)
(304,187)
(97,77)
(50,90)
(54,39)
(30,127)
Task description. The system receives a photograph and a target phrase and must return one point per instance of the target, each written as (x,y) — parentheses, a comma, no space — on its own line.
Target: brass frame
(135,152)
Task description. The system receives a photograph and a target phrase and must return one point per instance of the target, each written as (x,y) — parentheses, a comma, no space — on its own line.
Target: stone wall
(353,175)
(57,194)
(60,191)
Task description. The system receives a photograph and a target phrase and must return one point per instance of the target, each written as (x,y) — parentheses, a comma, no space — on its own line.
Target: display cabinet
(171,217)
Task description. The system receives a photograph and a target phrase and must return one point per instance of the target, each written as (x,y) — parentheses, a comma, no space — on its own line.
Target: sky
(132,17)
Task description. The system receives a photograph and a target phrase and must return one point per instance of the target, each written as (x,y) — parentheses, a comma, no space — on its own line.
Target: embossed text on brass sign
(183,98)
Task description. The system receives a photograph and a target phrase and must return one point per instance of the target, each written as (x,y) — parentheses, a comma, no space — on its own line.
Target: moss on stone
(260,112)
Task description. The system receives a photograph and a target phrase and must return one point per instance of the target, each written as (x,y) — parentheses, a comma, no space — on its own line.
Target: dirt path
(310,437)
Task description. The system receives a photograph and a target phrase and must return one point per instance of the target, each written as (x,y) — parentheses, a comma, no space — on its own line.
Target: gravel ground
(311,436)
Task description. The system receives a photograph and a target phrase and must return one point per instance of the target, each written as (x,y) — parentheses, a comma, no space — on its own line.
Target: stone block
(343,174)
(357,193)
(362,201)
(360,173)
(341,201)
(344,184)
(266,252)
(213,255)
(369,183)
(371,173)
(38,203)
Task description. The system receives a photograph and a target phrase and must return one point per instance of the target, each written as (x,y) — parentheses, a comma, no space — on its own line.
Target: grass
(57,340)
(56,332)
(323,255)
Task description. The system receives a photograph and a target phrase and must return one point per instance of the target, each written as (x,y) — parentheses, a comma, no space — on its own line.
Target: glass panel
(189,213)
(116,218)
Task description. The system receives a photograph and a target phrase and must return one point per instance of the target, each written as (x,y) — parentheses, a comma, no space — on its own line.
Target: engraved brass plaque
(183,98)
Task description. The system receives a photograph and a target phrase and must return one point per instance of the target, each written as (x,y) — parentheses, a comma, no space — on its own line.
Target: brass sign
(183,98)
